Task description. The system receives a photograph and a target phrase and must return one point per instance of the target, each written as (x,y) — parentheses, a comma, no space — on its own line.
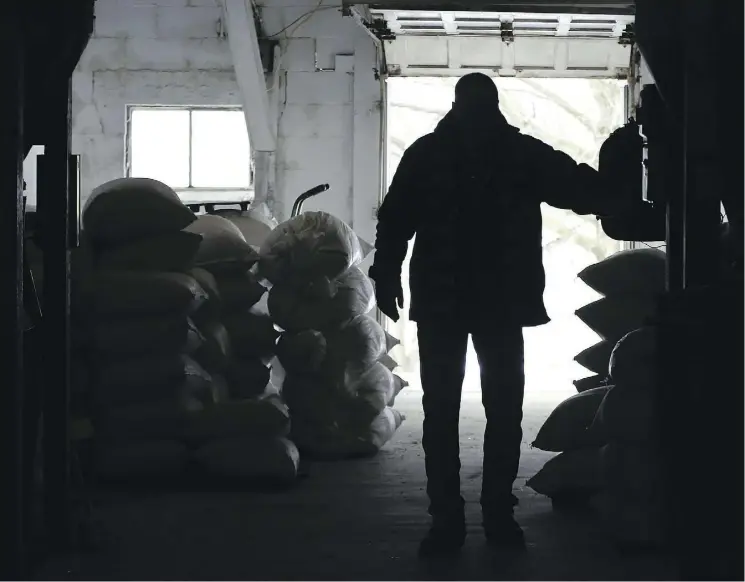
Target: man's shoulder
(423,145)
(528,141)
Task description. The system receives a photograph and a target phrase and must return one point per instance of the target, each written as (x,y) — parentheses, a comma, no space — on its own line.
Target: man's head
(476,95)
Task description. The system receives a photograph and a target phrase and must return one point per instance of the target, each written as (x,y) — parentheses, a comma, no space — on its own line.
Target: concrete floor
(359,520)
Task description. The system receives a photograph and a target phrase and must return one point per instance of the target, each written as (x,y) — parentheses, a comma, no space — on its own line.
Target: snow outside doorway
(573,115)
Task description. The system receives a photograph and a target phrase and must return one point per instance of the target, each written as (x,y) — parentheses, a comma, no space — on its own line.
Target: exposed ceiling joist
(249,72)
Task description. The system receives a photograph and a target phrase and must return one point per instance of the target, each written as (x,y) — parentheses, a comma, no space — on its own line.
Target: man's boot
(502,530)
(445,537)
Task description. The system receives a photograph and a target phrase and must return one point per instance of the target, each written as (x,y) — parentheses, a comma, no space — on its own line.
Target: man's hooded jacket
(471,193)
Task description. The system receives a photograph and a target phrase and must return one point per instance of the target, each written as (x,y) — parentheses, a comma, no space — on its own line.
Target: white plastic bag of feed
(239,291)
(298,309)
(128,209)
(314,399)
(633,471)
(613,317)
(307,247)
(219,389)
(255,224)
(633,360)
(573,474)
(371,392)
(168,334)
(303,352)
(171,252)
(631,523)
(168,419)
(150,379)
(208,282)
(388,362)
(628,272)
(567,427)
(355,293)
(266,416)
(215,352)
(277,375)
(247,377)
(590,382)
(381,431)
(627,414)
(272,460)
(210,309)
(398,385)
(597,357)
(295,309)
(127,293)
(356,346)
(251,335)
(330,442)
(390,342)
(147,459)
(261,212)
(224,249)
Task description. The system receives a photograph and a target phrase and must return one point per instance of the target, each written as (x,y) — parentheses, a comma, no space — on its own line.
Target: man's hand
(618,197)
(390,297)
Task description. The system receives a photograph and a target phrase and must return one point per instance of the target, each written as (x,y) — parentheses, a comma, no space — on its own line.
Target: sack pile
(242,336)
(244,437)
(161,404)
(573,476)
(631,504)
(608,457)
(137,304)
(255,224)
(339,382)
(630,282)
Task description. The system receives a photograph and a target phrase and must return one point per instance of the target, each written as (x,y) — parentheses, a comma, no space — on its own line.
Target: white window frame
(191,194)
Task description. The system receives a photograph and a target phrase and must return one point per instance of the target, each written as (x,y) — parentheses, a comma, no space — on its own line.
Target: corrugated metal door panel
(566,6)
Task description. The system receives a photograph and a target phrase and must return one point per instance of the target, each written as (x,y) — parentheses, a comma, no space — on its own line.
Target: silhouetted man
(471,193)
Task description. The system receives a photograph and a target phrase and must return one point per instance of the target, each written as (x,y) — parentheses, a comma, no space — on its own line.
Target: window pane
(220,153)
(159,146)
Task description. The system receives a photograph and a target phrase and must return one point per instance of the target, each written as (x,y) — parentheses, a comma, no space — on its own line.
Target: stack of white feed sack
(608,449)
(338,376)
(160,402)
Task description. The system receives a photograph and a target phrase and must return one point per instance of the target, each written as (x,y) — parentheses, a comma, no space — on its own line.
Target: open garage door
(564,43)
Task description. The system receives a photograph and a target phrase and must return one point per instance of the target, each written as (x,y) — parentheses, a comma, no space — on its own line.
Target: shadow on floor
(357,520)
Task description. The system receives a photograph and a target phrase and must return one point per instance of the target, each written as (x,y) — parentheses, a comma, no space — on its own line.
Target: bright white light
(221,157)
(159,146)
(574,115)
(198,149)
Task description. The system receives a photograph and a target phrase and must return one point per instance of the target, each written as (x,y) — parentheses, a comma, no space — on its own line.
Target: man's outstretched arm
(563,183)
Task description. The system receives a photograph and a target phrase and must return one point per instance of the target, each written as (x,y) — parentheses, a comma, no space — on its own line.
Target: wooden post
(12,551)
(54,222)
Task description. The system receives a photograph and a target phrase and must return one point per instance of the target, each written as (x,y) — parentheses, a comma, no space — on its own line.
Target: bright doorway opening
(575,116)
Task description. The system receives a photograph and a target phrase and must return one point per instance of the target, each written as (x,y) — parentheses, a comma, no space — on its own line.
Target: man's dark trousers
(442,357)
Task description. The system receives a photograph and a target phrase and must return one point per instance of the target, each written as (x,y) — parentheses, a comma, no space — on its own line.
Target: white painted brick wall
(169,52)
(147,52)
(316,113)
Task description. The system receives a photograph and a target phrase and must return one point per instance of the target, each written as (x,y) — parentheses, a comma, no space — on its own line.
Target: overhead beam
(249,72)
(553,6)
